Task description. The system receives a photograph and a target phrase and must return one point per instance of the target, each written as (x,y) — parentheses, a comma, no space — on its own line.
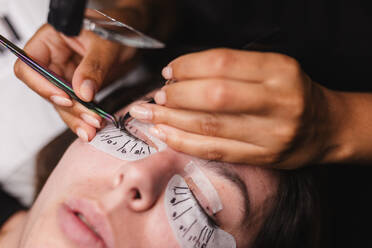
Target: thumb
(91,72)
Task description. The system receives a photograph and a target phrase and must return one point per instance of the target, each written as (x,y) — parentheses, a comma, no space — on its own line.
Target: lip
(78,232)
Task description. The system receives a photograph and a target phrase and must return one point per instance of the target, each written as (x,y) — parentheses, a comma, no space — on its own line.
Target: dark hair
(294,217)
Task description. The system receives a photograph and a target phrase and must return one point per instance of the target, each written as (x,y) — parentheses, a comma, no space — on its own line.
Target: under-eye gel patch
(209,193)
(189,222)
(143,128)
(121,144)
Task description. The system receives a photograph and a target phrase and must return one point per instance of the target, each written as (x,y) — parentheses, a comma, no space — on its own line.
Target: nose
(140,184)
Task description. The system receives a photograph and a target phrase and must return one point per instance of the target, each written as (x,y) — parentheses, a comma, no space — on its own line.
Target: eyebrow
(224,170)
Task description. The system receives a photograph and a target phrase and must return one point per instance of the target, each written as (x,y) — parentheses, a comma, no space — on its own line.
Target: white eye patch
(144,129)
(188,221)
(205,187)
(121,144)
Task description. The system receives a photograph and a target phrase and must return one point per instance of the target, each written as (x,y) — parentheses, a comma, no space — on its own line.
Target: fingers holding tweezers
(40,49)
(49,49)
(84,131)
(100,56)
(80,120)
(41,85)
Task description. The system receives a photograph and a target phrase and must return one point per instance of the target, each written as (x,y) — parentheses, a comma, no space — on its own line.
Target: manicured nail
(160,97)
(61,101)
(82,134)
(167,72)
(158,133)
(90,120)
(87,90)
(140,112)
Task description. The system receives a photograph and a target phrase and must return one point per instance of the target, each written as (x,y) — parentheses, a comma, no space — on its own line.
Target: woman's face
(93,199)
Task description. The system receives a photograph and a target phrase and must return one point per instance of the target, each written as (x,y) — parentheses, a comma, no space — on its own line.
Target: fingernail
(158,133)
(90,120)
(160,97)
(82,134)
(61,101)
(87,90)
(167,72)
(140,112)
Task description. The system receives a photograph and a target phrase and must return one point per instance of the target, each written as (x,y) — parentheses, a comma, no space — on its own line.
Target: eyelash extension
(123,120)
(211,221)
(122,126)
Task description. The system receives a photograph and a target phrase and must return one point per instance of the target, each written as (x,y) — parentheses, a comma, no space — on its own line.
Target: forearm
(350,127)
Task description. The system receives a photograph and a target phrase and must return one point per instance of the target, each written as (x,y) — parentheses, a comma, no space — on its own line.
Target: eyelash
(132,136)
(211,220)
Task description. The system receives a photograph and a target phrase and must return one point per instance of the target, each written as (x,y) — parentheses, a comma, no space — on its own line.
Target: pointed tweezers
(56,80)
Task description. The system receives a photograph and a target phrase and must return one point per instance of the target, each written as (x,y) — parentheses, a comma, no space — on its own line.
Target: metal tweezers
(56,80)
(107,28)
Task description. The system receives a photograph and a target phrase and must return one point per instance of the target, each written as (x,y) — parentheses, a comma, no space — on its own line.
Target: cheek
(67,180)
(148,229)
(83,175)
(83,164)
(163,231)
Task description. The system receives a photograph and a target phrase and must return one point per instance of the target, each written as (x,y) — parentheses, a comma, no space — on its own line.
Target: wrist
(340,146)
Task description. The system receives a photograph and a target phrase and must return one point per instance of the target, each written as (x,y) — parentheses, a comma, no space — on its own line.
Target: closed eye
(212,220)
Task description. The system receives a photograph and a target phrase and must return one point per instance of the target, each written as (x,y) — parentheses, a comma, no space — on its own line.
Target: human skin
(257,108)
(235,106)
(87,173)
(87,61)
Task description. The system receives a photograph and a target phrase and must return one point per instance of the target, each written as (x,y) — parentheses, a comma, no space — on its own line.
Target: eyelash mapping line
(189,221)
(187,215)
(121,144)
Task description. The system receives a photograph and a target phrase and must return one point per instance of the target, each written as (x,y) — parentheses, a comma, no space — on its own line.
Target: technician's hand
(244,107)
(87,61)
